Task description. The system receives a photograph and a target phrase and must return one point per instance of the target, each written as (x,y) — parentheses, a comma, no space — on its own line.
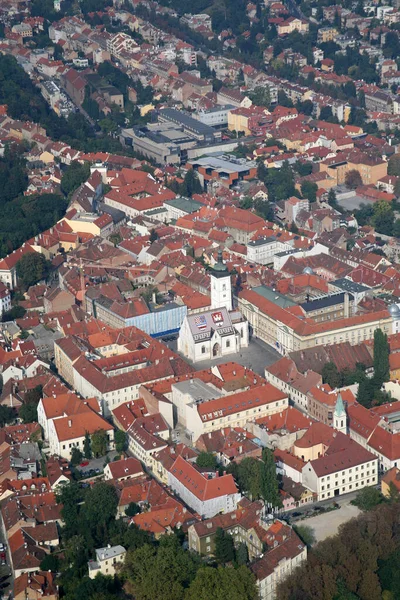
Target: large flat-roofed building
(214,117)
(166,143)
(224,168)
(192,127)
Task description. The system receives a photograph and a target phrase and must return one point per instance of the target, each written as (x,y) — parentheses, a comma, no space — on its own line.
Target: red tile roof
(203,488)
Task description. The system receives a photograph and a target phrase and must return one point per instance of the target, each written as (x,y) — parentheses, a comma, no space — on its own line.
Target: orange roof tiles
(249,400)
(202,488)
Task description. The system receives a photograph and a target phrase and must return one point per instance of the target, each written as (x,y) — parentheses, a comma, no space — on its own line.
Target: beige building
(326,34)
(293,24)
(287,332)
(66,353)
(107,561)
(371,168)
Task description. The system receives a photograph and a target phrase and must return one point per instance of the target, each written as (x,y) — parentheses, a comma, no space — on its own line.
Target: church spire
(340,415)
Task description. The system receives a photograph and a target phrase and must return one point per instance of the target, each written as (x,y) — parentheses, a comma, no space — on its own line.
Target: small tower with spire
(221,287)
(340,415)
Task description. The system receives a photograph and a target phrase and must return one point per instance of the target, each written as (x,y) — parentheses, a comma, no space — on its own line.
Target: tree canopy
(361,562)
(206,460)
(73,176)
(31,268)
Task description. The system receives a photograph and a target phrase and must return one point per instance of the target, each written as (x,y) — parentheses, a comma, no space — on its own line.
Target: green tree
(51,562)
(331,375)
(261,96)
(206,460)
(249,477)
(383,217)
(332,200)
(7,415)
(381,357)
(309,190)
(242,554)
(223,584)
(396,228)
(366,392)
(31,268)
(99,512)
(87,447)
(16,312)
(306,533)
(153,235)
(224,546)
(99,443)
(28,413)
(191,184)
(70,497)
(394,164)
(269,480)
(368,498)
(164,572)
(120,440)
(76,456)
(353,179)
(74,175)
(132,509)
(28,410)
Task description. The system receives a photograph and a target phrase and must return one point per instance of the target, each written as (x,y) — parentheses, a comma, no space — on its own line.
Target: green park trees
(224,546)
(31,268)
(99,443)
(258,479)
(206,460)
(381,357)
(73,176)
(222,584)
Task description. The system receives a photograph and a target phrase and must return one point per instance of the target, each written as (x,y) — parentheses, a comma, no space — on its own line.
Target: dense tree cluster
(257,478)
(360,562)
(369,388)
(189,186)
(169,572)
(13,175)
(206,460)
(381,215)
(26,216)
(152,570)
(279,182)
(32,268)
(28,410)
(73,176)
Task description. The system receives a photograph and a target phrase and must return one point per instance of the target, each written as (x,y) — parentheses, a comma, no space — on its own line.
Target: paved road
(97,463)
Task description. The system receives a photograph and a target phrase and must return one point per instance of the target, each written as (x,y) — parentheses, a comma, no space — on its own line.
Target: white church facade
(217,332)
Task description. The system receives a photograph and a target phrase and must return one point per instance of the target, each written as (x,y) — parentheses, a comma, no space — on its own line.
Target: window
(228,343)
(203,349)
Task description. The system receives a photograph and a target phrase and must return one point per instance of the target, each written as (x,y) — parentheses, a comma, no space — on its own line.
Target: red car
(84,463)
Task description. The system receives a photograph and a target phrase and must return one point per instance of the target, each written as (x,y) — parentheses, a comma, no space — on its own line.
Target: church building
(217,332)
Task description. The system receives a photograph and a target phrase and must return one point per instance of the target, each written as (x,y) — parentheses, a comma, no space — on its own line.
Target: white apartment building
(207,497)
(263,250)
(350,469)
(5,299)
